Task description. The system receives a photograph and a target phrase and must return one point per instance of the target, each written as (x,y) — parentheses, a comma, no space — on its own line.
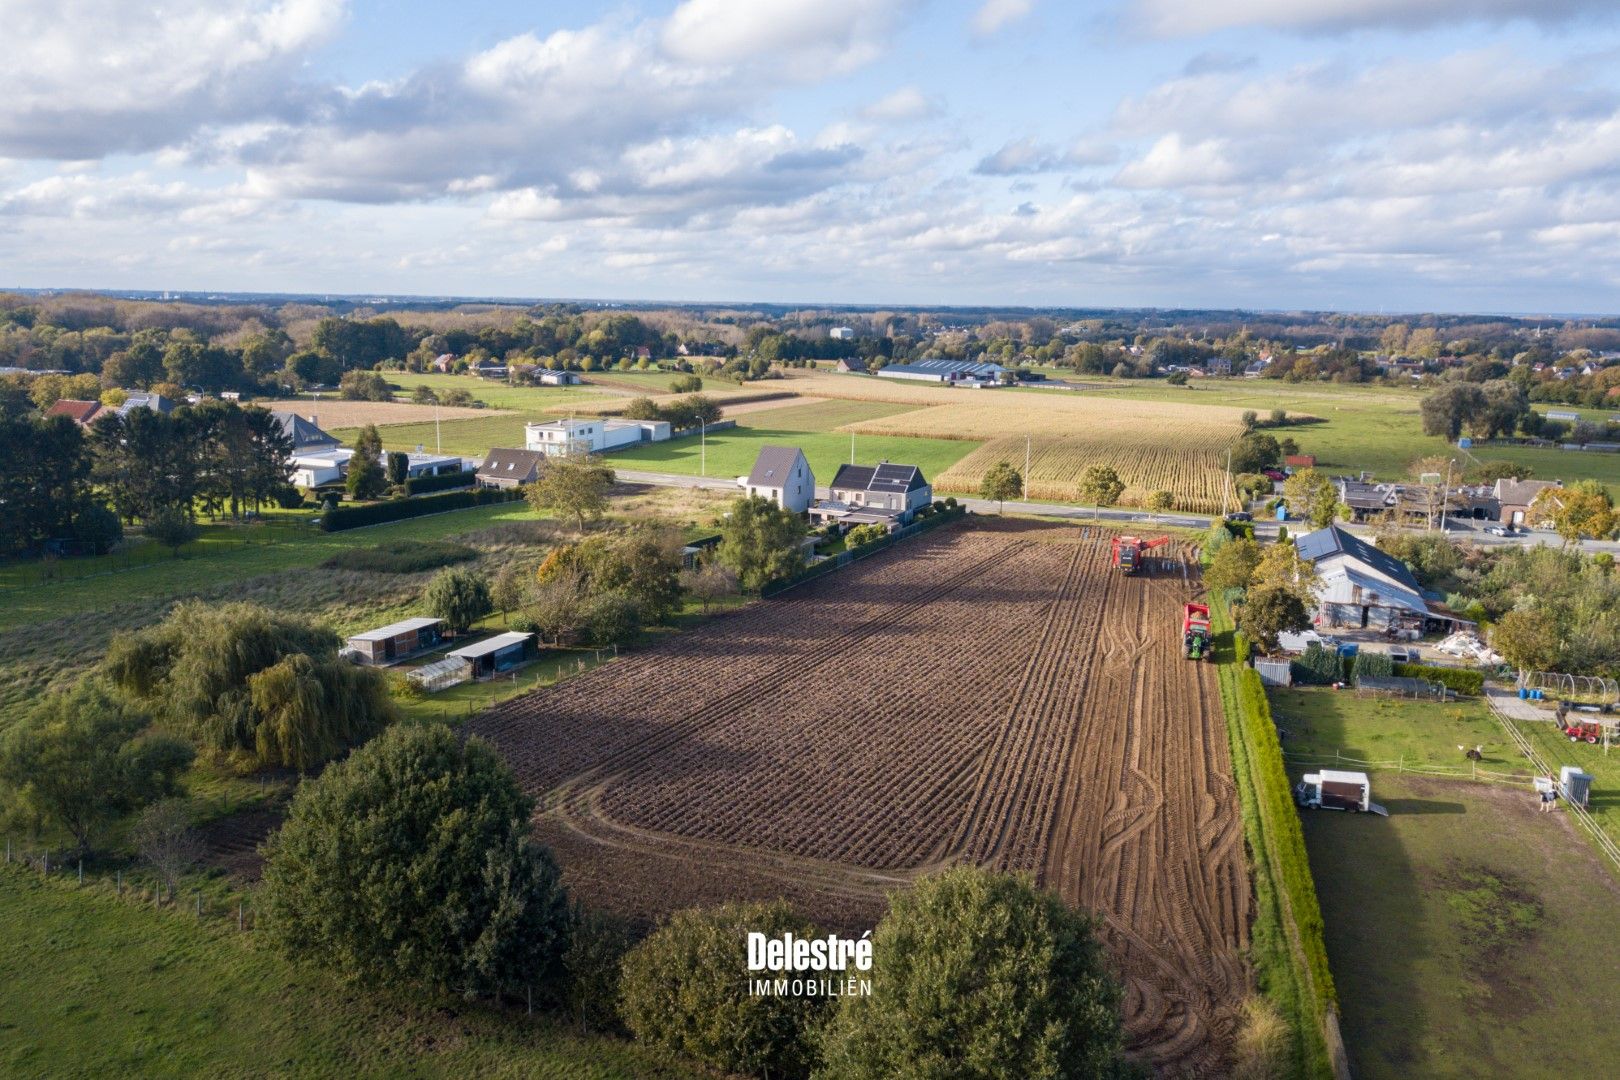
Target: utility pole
(703,447)
(852,448)
(1445,495)
(1025,477)
(438,443)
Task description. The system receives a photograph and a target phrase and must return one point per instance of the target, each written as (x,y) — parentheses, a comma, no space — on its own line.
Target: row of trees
(411,863)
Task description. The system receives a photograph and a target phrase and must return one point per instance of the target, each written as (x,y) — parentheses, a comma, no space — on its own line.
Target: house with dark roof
(886,485)
(306,435)
(1361,587)
(504,468)
(782,475)
(852,364)
(1514,498)
(141,399)
(80,412)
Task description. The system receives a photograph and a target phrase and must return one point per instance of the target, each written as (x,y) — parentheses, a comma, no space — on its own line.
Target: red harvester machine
(1129,550)
(1196,636)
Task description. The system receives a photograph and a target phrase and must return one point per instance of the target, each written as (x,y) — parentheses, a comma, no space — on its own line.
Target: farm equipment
(1129,551)
(1196,637)
(1329,789)
(1580,731)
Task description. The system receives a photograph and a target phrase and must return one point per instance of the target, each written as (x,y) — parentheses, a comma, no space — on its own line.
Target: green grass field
(1558,751)
(732,452)
(1467,933)
(499,395)
(94,985)
(1322,723)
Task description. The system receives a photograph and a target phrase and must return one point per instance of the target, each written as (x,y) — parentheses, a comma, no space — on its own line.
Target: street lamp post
(703,447)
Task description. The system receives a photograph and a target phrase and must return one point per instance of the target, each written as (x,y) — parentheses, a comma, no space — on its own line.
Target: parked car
(1241,515)
(1498,530)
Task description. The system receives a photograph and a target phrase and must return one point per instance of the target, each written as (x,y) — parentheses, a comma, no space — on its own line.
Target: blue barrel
(1523,693)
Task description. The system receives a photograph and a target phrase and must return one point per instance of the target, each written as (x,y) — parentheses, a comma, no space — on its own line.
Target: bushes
(401,557)
(422,485)
(411,861)
(1373,665)
(1461,680)
(1319,666)
(979,974)
(686,989)
(340,518)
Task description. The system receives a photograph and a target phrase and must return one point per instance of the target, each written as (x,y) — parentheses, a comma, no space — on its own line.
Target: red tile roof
(80,411)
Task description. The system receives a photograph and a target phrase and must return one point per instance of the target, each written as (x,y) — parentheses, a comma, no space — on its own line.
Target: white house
(559,438)
(317,467)
(841,333)
(782,475)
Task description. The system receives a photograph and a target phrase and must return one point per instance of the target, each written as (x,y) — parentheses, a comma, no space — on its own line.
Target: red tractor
(1196,635)
(1129,551)
(1582,732)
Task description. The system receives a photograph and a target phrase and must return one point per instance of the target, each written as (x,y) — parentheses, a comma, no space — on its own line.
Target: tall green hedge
(1295,979)
(1374,665)
(353,517)
(422,485)
(1319,666)
(1462,680)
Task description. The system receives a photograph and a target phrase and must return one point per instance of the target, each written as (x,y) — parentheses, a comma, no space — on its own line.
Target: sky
(1370,155)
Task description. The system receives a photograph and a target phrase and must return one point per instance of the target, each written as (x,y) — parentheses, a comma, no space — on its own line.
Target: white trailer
(1330,789)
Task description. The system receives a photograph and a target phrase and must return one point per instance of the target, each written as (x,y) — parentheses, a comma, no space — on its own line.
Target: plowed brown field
(993,693)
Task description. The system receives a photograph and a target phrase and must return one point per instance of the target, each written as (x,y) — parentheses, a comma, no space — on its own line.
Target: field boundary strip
(1286,886)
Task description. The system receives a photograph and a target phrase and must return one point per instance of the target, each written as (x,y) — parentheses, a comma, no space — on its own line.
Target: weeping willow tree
(248,681)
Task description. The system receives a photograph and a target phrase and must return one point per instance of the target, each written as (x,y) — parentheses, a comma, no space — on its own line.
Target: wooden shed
(397,641)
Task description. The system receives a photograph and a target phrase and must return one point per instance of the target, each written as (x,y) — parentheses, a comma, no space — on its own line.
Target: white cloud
(905,104)
(809,38)
(1021,157)
(84,78)
(995,14)
(1192,18)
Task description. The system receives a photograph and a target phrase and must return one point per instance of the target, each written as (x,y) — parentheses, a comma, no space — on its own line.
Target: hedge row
(1297,979)
(421,485)
(1462,680)
(353,517)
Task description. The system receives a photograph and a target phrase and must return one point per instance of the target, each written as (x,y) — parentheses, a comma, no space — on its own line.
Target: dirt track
(994,694)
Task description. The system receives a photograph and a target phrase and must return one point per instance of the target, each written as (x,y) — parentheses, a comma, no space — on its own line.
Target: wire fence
(1604,841)
(1419,768)
(134,885)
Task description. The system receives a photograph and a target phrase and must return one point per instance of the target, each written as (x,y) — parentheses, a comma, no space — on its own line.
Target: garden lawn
(1558,751)
(233,554)
(1467,934)
(93,985)
(1322,722)
(469,438)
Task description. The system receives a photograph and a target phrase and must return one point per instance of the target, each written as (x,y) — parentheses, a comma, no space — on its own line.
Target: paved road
(1457,530)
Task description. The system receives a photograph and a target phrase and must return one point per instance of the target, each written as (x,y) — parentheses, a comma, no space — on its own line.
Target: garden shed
(494,655)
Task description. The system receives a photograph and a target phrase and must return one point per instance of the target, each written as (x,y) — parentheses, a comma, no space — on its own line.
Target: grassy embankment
(95,985)
(1286,947)
(1462,929)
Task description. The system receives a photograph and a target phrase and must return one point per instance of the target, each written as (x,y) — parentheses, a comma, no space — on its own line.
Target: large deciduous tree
(459,597)
(979,974)
(1100,486)
(576,487)
(1001,482)
(411,861)
(83,758)
(760,542)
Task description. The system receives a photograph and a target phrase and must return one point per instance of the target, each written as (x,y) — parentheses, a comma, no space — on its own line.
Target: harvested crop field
(992,693)
(334,413)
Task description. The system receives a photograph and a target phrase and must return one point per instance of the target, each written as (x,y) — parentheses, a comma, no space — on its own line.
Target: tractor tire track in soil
(994,693)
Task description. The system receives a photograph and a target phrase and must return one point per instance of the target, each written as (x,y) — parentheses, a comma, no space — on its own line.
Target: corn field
(1146,460)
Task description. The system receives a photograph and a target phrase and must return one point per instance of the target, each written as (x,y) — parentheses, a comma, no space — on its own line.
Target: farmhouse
(82,413)
(965,372)
(1361,586)
(560,438)
(504,468)
(141,399)
(396,641)
(853,364)
(1513,498)
(782,475)
(494,655)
